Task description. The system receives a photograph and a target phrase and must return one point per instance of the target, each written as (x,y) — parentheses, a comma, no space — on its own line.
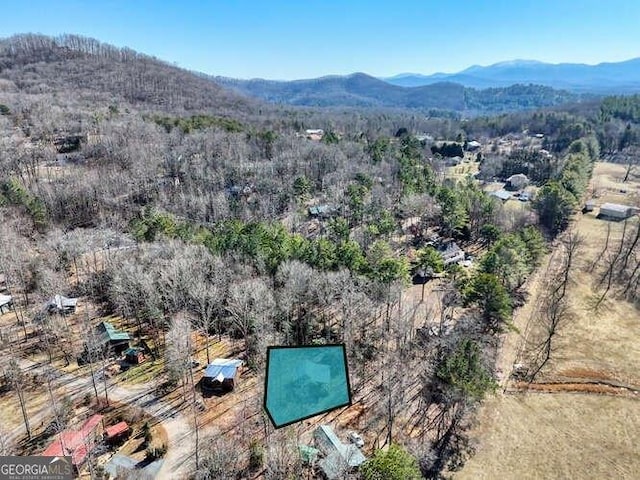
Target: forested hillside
(207,225)
(37,64)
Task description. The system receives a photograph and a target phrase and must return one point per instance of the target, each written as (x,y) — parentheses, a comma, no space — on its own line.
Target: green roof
(111,334)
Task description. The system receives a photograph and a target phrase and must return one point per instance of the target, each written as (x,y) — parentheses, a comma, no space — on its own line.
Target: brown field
(581,420)
(560,436)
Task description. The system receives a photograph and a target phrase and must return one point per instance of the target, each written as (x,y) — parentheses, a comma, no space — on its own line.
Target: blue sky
(295,39)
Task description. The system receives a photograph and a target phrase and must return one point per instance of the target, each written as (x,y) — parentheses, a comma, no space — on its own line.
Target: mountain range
(603,78)
(364,91)
(91,69)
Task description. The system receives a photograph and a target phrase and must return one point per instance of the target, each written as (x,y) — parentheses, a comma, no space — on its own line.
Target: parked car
(356,439)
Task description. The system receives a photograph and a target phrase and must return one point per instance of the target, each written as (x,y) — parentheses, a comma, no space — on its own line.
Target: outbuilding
(616,211)
(501,194)
(117,433)
(134,355)
(590,205)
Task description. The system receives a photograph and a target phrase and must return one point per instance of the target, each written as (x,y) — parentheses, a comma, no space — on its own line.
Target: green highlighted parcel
(305,381)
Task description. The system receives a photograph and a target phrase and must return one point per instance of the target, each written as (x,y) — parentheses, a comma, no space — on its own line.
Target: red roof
(72,442)
(116,429)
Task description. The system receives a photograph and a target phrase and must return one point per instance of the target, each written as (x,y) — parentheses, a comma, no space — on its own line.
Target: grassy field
(573,424)
(559,436)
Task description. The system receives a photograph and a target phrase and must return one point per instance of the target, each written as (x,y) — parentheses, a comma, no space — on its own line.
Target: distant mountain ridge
(82,67)
(603,78)
(364,91)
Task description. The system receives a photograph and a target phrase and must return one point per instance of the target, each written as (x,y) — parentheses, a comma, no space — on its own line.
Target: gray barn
(616,211)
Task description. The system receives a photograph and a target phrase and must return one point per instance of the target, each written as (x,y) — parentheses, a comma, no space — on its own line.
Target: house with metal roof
(77,443)
(451,253)
(61,304)
(221,374)
(113,338)
(339,457)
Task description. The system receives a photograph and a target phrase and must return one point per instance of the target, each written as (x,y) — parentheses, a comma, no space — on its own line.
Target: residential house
(473,145)
(221,374)
(77,444)
(110,337)
(6,303)
(451,253)
(322,211)
(616,211)
(61,304)
(315,134)
(517,181)
(339,457)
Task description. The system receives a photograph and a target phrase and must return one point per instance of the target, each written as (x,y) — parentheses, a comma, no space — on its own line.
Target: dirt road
(180,447)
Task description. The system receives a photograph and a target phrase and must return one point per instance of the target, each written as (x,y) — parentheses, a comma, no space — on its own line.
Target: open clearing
(564,435)
(582,419)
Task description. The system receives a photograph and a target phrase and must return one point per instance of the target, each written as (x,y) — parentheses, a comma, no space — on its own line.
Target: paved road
(181,445)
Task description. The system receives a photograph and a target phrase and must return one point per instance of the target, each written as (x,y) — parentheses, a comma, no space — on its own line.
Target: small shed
(517,181)
(6,302)
(134,355)
(590,205)
(221,374)
(3,283)
(117,433)
(616,211)
(62,304)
